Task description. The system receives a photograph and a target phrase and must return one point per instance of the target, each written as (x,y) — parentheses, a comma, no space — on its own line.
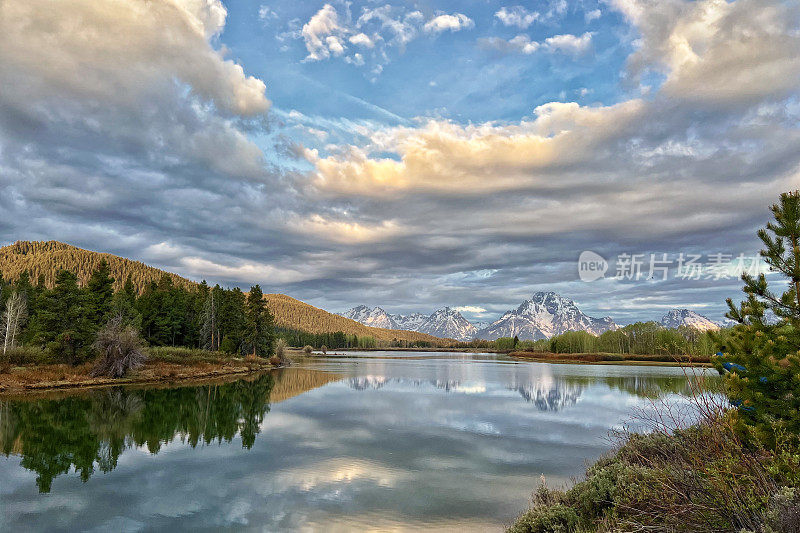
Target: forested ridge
(43,259)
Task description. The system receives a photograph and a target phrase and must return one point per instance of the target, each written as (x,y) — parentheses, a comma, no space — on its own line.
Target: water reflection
(89,432)
(434,441)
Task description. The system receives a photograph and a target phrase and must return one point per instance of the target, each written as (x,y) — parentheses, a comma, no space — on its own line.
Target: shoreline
(30,380)
(612,359)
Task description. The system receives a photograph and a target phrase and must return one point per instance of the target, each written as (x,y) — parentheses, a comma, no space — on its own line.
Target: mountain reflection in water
(411,441)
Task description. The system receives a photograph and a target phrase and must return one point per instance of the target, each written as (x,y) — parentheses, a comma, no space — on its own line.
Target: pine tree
(61,322)
(761,357)
(259,334)
(123,306)
(100,291)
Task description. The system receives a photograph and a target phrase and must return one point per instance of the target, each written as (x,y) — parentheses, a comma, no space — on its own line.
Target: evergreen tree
(61,322)
(123,306)
(232,320)
(762,358)
(259,333)
(100,291)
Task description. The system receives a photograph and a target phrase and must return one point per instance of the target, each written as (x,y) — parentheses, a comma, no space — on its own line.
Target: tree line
(640,338)
(64,320)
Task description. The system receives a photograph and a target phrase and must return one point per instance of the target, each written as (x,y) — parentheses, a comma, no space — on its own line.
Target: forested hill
(46,258)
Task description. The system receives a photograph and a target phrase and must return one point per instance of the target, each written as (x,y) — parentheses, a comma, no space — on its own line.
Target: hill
(46,258)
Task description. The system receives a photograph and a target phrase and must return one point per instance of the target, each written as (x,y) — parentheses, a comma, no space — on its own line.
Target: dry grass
(60,376)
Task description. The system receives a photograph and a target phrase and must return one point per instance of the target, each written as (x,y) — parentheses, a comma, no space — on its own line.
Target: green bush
(556,518)
(27,355)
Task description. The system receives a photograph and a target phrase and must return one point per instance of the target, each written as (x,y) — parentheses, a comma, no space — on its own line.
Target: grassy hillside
(47,258)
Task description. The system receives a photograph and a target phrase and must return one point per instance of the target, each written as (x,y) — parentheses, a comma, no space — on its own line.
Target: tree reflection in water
(91,431)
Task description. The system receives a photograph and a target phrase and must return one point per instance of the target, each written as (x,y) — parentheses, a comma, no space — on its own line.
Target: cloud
(594,14)
(361,39)
(323,34)
(450,158)
(148,132)
(346,231)
(717,51)
(44,45)
(567,43)
(470,309)
(374,32)
(516,16)
(454,22)
(671,172)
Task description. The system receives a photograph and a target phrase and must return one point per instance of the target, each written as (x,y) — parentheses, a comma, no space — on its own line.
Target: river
(372,440)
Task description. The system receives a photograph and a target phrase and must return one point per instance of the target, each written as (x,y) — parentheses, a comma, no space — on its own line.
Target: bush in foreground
(702,478)
(121,350)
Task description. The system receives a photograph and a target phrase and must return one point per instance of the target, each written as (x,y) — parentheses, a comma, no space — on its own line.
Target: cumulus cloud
(323,34)
(566,43)
(44,45)
(374,32)
(569,43)
(445,22)
(516,16)
(717,51)
(143,134)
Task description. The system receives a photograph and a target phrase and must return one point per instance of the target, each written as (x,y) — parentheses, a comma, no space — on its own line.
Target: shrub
(27,355)
(121,350)
(556,518)
(280,348)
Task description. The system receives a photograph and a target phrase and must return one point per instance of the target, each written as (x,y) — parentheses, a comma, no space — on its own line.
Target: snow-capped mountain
(410,322)
(685,317)
(544,315)
(445,322)
(448,323)
(377,317)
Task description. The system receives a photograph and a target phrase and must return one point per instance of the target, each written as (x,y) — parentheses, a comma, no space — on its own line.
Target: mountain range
(544,315)
(445,322)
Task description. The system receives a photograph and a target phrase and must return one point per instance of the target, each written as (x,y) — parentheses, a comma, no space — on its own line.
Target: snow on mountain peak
(546,314)
(686,317)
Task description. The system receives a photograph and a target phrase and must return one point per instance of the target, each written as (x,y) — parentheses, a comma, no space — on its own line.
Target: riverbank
(164,365)
(613,359)
(700,478)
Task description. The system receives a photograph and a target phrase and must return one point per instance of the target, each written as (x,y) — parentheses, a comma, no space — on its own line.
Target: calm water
(374,440)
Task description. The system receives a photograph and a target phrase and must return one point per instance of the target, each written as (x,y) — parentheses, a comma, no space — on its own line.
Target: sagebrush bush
(121,350)
(703,478)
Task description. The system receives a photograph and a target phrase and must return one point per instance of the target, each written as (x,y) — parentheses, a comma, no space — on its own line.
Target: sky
(410,155)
